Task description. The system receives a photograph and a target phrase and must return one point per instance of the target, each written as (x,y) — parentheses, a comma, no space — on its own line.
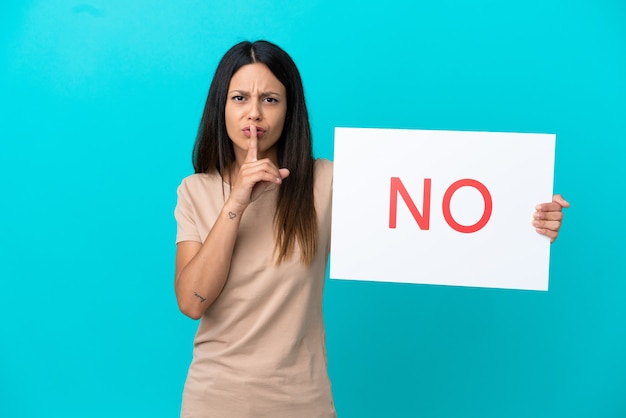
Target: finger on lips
(266,169)
(252,154)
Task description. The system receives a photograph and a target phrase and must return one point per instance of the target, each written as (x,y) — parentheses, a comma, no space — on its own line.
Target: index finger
(252,154)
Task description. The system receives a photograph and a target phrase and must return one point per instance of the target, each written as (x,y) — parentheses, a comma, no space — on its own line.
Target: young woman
(252,245)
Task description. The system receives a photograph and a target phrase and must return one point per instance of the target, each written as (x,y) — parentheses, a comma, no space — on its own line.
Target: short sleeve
(186,228)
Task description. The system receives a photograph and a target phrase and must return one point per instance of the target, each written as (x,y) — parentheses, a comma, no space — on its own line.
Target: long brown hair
(295,220)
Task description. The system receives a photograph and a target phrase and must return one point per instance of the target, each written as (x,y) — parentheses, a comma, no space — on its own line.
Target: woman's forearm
(202,269)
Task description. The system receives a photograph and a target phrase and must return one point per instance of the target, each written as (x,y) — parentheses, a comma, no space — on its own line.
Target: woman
(252,245)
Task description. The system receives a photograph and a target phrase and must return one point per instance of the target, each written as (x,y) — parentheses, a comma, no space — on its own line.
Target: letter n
(423,221)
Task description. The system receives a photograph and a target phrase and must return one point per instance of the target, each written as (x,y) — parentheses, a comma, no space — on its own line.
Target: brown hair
(295,220)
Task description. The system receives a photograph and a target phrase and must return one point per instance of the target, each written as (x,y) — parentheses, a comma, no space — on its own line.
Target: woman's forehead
(255,76)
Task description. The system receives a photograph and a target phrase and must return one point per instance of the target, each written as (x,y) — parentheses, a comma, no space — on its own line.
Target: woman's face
(255,97)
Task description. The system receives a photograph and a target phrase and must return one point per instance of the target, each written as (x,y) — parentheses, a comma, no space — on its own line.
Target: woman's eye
(238,98)
(271,100)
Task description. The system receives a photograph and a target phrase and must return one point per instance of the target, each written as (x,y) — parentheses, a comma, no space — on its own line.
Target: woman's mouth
(259,131)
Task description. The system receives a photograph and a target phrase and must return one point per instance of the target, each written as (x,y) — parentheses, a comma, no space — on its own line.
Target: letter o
(447,197)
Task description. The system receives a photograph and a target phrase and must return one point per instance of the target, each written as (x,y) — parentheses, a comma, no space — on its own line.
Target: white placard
(457,239)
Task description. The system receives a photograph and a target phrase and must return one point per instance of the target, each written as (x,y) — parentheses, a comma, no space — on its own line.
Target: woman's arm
(202,269)
(548,217)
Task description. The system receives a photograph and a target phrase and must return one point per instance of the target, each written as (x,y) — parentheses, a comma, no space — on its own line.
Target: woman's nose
(254,111)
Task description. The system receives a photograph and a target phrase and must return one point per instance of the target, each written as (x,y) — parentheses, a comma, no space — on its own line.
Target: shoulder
(323,169)
(323,174)
(199,182)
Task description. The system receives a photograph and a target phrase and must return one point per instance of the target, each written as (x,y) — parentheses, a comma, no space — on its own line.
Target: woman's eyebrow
(270,93)
(246,93)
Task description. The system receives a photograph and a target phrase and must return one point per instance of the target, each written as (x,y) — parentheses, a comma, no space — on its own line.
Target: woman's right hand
(254,176)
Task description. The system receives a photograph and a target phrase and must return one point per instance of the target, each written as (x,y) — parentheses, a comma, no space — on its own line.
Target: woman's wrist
(233,210)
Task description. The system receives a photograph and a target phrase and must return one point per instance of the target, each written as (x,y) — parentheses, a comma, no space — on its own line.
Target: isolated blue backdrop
(99,106)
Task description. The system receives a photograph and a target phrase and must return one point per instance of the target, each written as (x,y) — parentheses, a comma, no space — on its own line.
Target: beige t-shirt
(260,347)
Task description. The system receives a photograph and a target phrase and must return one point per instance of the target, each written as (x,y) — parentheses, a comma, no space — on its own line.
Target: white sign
(441,207)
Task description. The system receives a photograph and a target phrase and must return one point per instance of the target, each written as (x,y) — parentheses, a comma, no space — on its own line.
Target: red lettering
(397,187)
(447,197)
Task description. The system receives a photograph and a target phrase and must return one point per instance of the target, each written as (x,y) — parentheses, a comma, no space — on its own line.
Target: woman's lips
(259,132)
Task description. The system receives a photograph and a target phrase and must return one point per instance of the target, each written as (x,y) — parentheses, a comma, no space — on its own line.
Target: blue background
(99,107)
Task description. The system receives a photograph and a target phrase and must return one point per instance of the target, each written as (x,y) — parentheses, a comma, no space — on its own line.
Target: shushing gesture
(255,176)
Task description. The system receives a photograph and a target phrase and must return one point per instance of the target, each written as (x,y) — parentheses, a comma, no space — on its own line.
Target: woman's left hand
(548,217)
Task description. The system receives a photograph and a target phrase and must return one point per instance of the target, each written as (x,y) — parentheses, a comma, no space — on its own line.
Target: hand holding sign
(548,216)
